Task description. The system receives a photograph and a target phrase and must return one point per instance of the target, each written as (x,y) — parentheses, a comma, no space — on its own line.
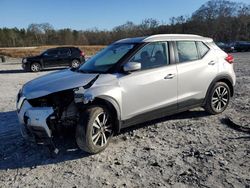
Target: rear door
(197,66)
(50,58)
(64,57)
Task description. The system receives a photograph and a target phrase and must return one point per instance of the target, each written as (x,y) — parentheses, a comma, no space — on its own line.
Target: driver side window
(152,55)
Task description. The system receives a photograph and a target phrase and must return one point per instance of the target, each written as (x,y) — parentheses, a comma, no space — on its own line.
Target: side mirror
(132,66)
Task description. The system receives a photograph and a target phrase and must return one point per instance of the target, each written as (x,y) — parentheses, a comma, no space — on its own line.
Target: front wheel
(218,98)
(35,67)
(95,129)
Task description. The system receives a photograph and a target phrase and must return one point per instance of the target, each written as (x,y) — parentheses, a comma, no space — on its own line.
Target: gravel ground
(191,149)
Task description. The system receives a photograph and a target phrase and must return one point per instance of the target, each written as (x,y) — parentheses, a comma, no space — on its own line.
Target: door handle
(169,76)
(211,63)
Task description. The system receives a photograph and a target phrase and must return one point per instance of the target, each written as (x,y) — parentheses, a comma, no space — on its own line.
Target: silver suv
(129,82)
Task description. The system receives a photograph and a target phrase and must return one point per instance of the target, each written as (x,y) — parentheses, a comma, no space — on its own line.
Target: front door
(154,87)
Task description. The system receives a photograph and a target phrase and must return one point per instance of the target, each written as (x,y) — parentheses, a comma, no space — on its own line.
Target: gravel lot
(191,149)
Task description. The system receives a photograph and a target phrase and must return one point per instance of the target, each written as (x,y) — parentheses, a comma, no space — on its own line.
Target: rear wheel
(75,63)
(95,129)
(35,67)
(218,98)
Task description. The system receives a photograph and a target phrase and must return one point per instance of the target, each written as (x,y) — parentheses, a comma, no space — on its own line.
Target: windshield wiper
(88,71)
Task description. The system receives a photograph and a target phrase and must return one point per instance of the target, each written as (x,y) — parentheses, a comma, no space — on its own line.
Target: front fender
(114,104)
(110,94)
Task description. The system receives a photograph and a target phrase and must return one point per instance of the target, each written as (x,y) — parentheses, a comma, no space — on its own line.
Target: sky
(89,14)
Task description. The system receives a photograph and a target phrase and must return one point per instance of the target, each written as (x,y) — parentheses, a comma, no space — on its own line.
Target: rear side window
(187,51)
(64,51)
(75,50)
(203,49)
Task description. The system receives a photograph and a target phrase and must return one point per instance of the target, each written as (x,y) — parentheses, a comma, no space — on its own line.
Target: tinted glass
(152,55)
(51,52)
(64,51)
(202,48)
(187,51)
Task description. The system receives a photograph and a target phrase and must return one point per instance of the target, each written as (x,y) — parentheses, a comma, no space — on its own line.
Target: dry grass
(20,52)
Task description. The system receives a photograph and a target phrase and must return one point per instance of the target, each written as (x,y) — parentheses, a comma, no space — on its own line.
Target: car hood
(54,82)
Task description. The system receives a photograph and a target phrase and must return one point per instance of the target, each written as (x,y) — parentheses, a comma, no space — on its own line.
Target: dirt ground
(191,149)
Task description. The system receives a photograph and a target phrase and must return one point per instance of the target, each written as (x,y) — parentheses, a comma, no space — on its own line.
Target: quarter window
(203,49)
(187,51)
(152,55)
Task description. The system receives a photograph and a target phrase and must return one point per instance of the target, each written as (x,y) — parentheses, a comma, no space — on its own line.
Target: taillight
(229,58)
(82,53)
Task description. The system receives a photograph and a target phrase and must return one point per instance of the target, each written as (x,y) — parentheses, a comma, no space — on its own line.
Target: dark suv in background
(225,47)
(241,46)
(54,57)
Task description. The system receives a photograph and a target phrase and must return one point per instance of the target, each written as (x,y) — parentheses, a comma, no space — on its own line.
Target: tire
(91,136)
(218,98)
(75,63)
(35,67)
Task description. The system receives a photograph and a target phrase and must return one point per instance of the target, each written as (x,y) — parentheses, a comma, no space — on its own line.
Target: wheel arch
(73,59)
(32,62)
(221,78)
(113,106)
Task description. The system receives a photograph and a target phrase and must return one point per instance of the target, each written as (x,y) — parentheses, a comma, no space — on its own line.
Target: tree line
(222,20)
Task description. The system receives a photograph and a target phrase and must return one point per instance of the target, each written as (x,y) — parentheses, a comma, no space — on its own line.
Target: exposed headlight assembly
(79,92)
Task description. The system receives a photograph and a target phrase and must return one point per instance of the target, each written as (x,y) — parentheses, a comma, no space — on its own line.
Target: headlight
(19,95)
(78,94)
(20,103)
(20,99)
(24,60)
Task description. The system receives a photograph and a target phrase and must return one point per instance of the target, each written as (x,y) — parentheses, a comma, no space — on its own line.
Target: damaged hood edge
(55,82)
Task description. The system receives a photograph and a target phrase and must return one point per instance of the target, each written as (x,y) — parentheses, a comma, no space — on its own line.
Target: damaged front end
(42,116)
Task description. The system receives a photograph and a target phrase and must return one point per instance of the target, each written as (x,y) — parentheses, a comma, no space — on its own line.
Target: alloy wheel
(35,67)
(102,130)
(220,98)
(75,63)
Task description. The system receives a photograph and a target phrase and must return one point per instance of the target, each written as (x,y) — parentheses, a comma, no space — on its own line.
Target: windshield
(43,52)
(106,58)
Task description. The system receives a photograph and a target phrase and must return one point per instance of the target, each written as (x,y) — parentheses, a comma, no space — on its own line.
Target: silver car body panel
(106,87)
(36,116)
(147,90)
(194,77)
(24,106)
(54,82)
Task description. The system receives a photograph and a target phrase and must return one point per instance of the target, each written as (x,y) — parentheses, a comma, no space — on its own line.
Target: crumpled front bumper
(34,120)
